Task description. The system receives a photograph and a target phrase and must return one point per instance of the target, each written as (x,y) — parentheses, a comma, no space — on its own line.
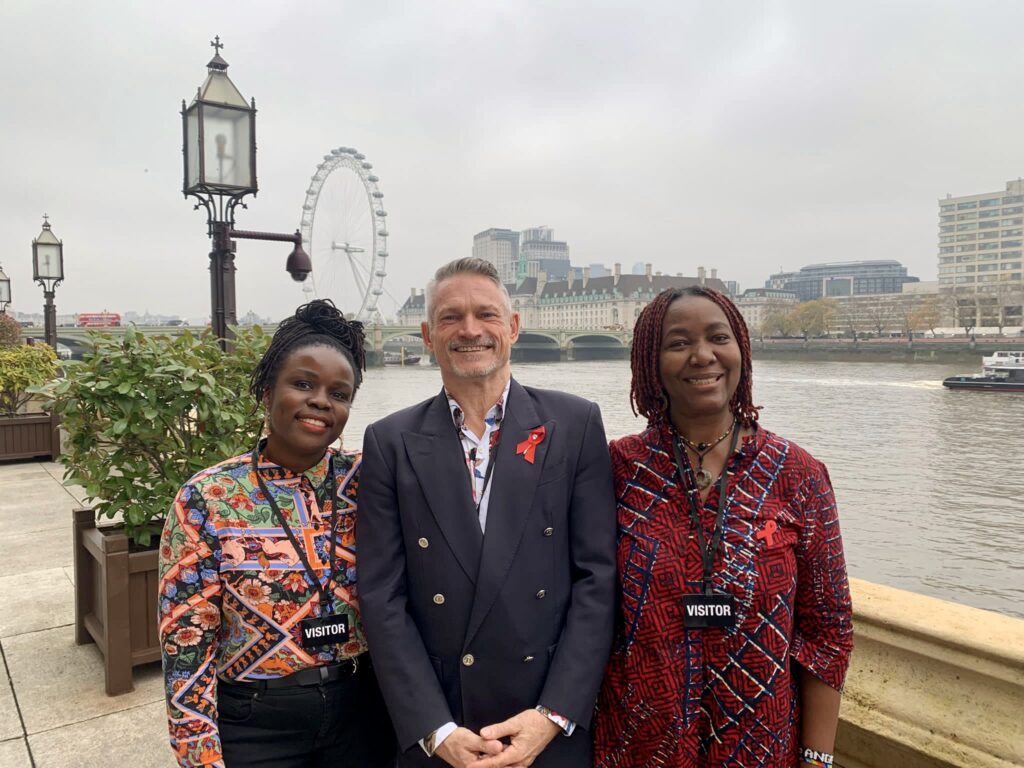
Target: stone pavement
(53,711)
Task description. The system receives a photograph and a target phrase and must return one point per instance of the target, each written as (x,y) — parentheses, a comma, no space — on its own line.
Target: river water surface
(930,482)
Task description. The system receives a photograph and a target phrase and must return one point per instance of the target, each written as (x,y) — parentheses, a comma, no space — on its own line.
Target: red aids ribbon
(770,526)
(528,448)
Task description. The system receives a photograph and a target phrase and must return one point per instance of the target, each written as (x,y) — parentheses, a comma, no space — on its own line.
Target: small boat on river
(401,358)
(1000,372)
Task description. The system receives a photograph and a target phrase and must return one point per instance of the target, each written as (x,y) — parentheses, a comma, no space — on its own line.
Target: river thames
(930,482)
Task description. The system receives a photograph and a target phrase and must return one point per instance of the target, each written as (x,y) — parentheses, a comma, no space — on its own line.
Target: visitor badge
(325,630)
(701,611)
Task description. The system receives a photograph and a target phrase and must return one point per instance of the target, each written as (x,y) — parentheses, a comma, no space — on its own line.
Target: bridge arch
(536,347)
(595,345)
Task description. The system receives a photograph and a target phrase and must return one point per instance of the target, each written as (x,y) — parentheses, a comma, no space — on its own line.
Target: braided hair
(647,395)
(318,323)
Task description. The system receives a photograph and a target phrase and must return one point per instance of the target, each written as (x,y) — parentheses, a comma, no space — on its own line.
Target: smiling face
(700,360)
(471,330)
(308,405)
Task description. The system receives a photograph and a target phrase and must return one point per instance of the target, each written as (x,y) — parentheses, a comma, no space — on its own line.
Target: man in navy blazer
(486,536)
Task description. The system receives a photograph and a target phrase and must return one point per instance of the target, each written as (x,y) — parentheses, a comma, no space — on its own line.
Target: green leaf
(133,404)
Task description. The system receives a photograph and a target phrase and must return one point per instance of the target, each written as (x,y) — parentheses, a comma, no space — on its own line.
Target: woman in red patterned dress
(735,626)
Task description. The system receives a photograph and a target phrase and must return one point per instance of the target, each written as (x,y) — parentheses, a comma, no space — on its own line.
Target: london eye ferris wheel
(344,231)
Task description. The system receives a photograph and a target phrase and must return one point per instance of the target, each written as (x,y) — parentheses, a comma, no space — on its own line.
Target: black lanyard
(707,550)
(326,602)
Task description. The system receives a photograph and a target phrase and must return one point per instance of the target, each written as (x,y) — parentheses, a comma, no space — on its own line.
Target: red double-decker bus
(98,320)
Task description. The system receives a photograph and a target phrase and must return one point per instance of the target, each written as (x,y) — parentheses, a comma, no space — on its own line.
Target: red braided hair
(647,395)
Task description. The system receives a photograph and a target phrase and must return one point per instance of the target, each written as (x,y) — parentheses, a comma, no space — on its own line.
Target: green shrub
(10,330)
(23,367)
(145,413)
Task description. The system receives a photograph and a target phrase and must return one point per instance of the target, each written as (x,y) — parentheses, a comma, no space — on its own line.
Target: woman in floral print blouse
(264,656)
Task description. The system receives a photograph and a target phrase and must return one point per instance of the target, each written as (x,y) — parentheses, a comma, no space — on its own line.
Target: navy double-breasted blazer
(475,627)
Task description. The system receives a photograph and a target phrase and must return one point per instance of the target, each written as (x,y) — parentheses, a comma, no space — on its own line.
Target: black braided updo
(318,323)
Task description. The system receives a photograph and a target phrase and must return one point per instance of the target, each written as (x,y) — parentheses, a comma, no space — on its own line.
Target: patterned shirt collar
(315,474)
(496,412)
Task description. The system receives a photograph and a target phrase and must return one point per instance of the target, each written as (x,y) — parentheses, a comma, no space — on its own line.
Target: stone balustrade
(932,684)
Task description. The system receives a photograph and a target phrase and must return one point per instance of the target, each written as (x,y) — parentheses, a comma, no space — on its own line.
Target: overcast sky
(739,135)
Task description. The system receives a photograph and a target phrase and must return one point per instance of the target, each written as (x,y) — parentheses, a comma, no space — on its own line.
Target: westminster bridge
(534,345)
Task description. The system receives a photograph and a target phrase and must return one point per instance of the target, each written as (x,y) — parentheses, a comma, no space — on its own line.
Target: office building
(501,248)
(843,278)
(540,252)
(757,304)
(980,247)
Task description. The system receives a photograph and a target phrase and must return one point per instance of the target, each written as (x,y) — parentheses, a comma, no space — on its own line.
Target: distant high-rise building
(843,278)
(501,248)
(639,268)
(518,256)
(540,252)
(980,247)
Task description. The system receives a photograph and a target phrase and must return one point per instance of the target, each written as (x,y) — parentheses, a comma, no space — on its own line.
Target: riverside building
(980,256)
(843,278)
(756,304)
(582,301)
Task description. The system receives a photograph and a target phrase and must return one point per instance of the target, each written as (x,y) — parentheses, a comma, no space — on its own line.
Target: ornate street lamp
(48,271)
(219,150)
(5,292)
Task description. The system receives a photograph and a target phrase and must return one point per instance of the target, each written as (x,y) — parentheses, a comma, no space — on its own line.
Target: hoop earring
(663,402)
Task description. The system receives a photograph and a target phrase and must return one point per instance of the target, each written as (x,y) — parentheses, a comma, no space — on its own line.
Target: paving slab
(15,471)
(34,601)
(60,683)
(31,512)
(14,754)
(56,471)
(10,723)
(36,551)
(135,737)
(36,488)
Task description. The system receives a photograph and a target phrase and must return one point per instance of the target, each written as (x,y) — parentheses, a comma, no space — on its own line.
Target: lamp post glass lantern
(220,136)
(48,271)
(219,153)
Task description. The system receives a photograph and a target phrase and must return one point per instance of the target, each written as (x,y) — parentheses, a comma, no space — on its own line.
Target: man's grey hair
(470,265)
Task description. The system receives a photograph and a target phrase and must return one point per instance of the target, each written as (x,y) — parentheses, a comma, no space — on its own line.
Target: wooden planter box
(29,436)
(115,599)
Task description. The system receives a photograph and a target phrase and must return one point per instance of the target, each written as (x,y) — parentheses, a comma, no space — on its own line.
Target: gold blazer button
(439,599)
(423,543)
(549,531)
(467,660)
(540,594)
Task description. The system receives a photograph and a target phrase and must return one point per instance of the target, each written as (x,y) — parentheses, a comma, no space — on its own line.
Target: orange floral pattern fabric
(233,590)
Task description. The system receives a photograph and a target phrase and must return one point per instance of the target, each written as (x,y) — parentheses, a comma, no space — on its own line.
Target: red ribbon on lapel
(528,448)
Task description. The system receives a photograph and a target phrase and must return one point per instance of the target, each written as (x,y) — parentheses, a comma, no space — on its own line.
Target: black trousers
(340,724)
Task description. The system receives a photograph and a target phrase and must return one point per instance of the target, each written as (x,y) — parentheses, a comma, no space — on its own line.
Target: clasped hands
(529,733)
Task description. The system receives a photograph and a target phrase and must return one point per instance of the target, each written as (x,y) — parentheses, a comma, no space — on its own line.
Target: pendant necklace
(702,449)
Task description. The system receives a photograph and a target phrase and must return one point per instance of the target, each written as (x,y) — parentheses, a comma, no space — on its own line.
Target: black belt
(302,678)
